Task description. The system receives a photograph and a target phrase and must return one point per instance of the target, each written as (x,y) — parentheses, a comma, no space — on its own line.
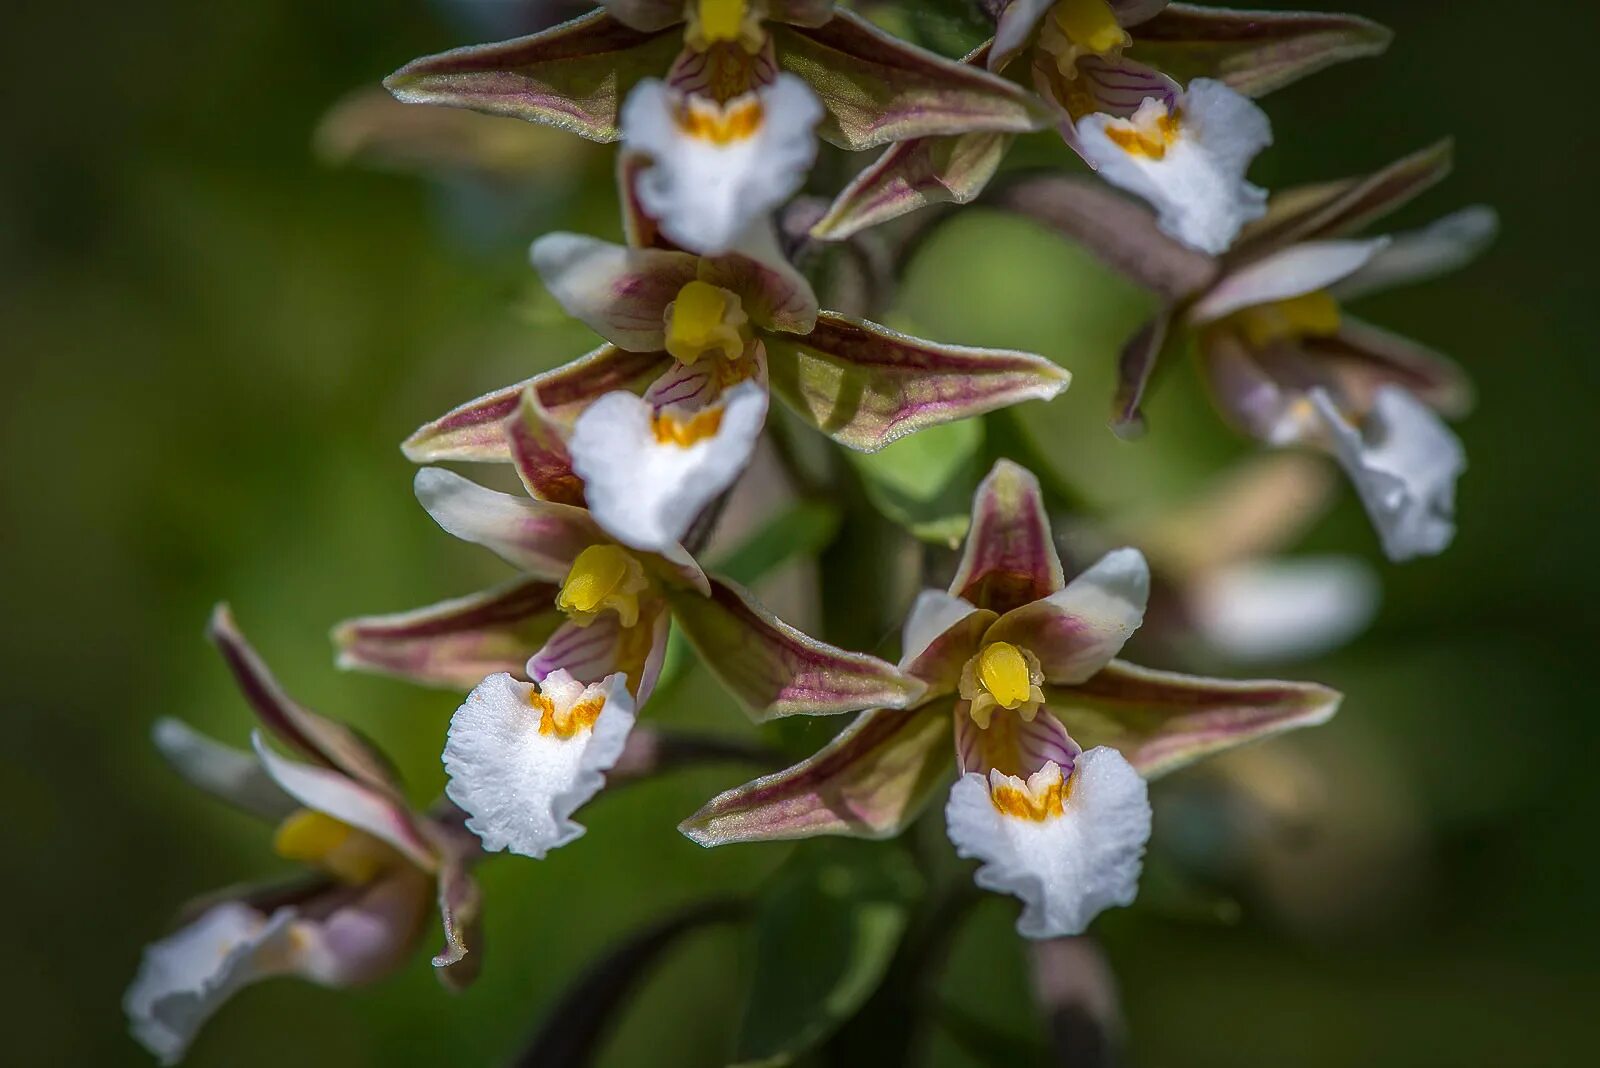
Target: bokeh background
(214,342)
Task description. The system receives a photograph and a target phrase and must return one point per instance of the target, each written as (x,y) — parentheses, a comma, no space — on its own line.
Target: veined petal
(1248,397)
(455,643)
(1076,631)
(539,537)
(648,475)
(1188,161)
(865,385)
(911,175)
(1114,85)
(1404,462)
(605,647)
(1254,52)
(719,167)
(539,451)
(1010,744)
(772,293)
(1010,558)
(1078,856)
(522,760)
(774,669)
(1121,233)
(1437,248)
(878,89)
(326,741)
(574,76)
(941,634)
(349,801)
(869,782)
(1162,720)
(475,431)
(1283,608)
(222,771)
(620,293)
(1295,271)
(184,978)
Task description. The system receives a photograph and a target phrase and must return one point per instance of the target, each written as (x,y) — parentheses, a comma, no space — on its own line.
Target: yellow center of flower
(1314,314)
(1090,25)
(317,839)
(673,430)
(721,20)
(1149,139)
(1004,673)
(564,724)
(721,124)
(602,577)
(705,319)
(1038,798)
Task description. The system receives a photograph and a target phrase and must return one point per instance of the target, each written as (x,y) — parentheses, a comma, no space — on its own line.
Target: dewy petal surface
(1010,557)
(1161,720)
(456,643)
(1072,864)
(539,537)
(776,670)
(620,293)
(869,782)
(521,762)
(866,386)
(1076,631)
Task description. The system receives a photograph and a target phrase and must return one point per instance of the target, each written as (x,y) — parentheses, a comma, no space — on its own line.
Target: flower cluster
(708,311)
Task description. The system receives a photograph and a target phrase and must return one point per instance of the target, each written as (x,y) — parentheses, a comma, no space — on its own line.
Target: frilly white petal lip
(1404,462)
(1284,609)
(648,475)
(1069,856)
(186,977)
(522,760)
(1189,163)
(716,169)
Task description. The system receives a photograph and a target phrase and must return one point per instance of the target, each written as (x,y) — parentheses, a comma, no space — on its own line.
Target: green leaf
(925,482)
(825,932)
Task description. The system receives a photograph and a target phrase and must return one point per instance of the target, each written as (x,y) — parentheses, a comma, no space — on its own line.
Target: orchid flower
(534,739)
(724,98)
(1054,736)
(703,338)
(1285,362)
(374,868)
(1114,71)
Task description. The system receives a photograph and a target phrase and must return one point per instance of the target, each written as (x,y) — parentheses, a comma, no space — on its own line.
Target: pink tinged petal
(1293,272)
(186,977)
(620,293)
(772,293)
(1076,631)
(1010,558)
(1067,867)
(605,647)
(1254,52)
(476,432)
(775,670)
(1251,399)
(1334,209)
(871,781)
(1010,744)
(573,76)
(942,633)
(1436,249)
(539,537)
(367,937)
(455,643)
(539,451)
(650,16)
(911,175)
(1120,232)
(1116,85)
(865,385)
(349,801)
(461,916)
(1162,720)
(1135,366)
(639,230)
(1361,359)
(323,740)
(222,771)
(878,89)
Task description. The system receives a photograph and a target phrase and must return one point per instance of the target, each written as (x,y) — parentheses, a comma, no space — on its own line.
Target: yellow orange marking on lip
(1150,142)
(1037,799)
(738,120)
(566,725)
(671,430)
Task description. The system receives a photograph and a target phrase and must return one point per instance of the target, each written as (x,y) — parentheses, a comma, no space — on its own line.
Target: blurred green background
(214,345)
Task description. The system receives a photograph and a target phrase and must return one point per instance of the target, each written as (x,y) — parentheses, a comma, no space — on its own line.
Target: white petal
(704,193)
(1284,609)
(934,612)
(1291,272)
(1438,247)
(1066,868)
(186,977)
(518,784)
(231,774)
(620,293)
(1197,186)
(645,492)
(1404,462)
